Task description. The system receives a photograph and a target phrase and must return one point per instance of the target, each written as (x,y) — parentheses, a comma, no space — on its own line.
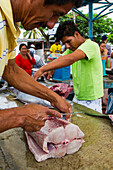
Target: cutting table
(96,153)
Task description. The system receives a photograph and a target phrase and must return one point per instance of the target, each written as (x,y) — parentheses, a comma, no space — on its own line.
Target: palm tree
(35,33)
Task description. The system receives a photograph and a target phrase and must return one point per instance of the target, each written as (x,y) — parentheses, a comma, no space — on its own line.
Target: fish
(54,140)
(62,89)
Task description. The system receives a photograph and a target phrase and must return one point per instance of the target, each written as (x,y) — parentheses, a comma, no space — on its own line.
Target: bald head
(76,3)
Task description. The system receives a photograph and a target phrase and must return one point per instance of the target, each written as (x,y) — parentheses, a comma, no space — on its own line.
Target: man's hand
(18,78)
(38,74)
(36,115)
(63,106)
(49,74)
(28,54)
(31,117)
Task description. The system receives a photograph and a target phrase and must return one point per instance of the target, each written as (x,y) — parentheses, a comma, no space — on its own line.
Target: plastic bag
(109,109)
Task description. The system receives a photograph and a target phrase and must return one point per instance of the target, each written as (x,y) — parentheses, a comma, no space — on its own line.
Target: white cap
(32,45)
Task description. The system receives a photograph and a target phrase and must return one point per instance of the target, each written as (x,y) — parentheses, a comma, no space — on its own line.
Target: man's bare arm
(31,117)
(60,62)
(18,78)
(9,119)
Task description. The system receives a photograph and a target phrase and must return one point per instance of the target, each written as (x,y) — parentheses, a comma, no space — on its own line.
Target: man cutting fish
(84,55)
(32,14)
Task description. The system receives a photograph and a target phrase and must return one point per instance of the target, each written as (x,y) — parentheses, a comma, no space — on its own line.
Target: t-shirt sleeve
(67,52)
(89,48)
(12,55)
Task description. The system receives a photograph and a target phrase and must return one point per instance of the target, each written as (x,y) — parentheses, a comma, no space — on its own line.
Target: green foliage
(110,38)
(35,33)
(21,26)
(103,25)
(65,17)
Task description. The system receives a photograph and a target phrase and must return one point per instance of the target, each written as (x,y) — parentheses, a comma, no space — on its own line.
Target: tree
(36,33)
(45,35)
(66,17)
(104,25)
(110,38)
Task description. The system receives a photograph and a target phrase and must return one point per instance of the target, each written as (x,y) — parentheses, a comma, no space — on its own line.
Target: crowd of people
(85,57)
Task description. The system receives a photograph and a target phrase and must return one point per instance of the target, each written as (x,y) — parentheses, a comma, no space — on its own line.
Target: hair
(21,45)
(101,42)
(104,37)
(76,3)
(66,28)
(56,40)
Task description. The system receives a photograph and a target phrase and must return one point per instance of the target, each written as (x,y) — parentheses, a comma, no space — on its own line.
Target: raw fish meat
(57,138)
(62,89)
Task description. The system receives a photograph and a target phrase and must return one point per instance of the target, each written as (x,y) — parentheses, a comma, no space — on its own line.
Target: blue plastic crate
(62,74)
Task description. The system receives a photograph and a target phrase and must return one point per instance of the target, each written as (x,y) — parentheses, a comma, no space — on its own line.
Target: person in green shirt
(84,56)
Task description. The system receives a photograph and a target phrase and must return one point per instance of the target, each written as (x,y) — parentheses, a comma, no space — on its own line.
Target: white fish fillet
(56,139)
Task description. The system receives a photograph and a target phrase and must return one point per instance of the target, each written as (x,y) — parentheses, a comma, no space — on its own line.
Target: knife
(109,116)
(72,113)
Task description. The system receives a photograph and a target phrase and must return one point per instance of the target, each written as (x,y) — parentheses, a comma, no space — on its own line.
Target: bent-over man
(32,14)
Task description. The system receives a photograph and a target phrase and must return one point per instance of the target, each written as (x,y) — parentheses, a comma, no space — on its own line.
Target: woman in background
(24,59)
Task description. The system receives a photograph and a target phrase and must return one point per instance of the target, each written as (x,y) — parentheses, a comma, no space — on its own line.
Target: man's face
(39,15)
(56,43)
(102,47)
(70,42)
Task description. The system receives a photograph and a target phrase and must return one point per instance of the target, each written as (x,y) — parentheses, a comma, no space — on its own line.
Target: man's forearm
(64,61)
(18,78)
(10,118)
(60,62)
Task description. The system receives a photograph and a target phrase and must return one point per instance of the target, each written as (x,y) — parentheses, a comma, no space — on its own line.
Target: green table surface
(95,154)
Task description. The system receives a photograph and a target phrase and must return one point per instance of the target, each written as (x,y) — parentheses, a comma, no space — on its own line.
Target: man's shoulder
(89,44)
(53,45)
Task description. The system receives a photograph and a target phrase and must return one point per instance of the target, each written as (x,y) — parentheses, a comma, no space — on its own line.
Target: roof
(86,2)
(104,2)
(103,5)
